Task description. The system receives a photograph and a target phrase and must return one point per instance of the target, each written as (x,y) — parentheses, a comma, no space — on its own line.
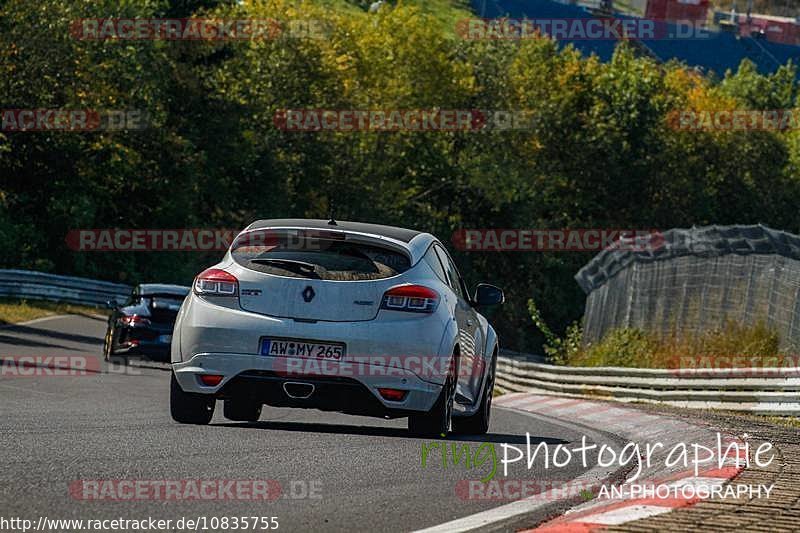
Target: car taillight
(393,395)
(411,298)
(134,320)
(210,380)
(216,282)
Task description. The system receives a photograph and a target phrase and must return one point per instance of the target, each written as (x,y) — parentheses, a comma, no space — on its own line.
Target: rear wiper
(298,267)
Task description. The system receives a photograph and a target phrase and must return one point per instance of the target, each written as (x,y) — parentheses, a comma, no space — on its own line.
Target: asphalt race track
(362,473)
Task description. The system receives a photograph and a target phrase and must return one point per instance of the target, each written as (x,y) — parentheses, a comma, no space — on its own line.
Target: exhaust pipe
(298,390)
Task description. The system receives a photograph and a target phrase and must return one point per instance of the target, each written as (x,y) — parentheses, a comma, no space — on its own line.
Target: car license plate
(165,339)
(300,348)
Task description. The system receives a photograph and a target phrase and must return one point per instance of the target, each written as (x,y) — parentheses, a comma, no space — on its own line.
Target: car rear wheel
(242,410)
(189,408)
(107,350)
(438,420)
(478,424)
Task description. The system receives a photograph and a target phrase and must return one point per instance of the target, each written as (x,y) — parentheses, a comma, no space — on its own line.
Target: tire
(107,349)
(189,408)
(437,421)
(241,410)
(478,424)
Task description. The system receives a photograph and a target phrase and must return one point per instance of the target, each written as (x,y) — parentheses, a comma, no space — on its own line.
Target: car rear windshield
(317,255)
(165,302)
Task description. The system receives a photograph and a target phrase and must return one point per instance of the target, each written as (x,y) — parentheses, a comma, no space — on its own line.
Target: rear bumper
(344,395)
(152,350)
(336,387)
(421,341)
(148,341)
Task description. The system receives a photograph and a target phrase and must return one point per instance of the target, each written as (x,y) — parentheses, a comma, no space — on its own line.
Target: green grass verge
(787,421)
(732,345)
(14,311)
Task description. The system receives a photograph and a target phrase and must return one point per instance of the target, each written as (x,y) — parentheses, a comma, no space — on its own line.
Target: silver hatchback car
(340,316)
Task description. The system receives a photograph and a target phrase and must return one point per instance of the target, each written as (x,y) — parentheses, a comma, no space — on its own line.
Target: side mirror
(486,295)
(112,303)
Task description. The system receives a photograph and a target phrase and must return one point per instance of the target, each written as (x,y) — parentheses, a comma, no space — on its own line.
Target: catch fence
(695,280)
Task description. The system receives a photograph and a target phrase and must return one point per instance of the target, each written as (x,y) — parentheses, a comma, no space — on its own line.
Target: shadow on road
(17,341)
(309,427)
(47,333)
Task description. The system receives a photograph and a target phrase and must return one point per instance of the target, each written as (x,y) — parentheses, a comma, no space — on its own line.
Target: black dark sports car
(142,326)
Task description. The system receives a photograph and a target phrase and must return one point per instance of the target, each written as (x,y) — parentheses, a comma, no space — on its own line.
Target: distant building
(678,10)
(784,30)
(714,50)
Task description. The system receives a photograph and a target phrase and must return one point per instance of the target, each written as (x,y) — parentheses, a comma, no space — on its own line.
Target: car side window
(432,259)
(452,273)
(133,298)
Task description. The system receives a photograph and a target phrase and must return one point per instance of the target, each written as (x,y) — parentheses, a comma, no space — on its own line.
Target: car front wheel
(478,424)
(189,408)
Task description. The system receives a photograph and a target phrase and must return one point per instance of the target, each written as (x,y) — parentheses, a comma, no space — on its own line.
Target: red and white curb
(635,426)
(596,516)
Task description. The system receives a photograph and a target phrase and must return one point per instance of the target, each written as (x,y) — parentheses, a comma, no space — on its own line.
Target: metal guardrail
(765,391)
(31,285)
(773,391)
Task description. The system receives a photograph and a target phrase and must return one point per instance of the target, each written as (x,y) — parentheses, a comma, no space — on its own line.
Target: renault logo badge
(308,294)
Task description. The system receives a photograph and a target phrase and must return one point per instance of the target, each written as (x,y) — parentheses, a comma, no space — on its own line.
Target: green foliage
(622,347)
(559,350)
(756,91)
(729,344)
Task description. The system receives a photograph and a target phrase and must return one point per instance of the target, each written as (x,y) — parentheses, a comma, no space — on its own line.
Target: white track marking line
(35,321)
(504,512)
(596,475)
(698,482)
(625,514)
